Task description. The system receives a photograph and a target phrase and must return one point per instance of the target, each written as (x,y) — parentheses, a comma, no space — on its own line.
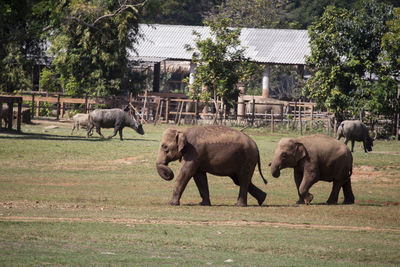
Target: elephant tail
(259,169)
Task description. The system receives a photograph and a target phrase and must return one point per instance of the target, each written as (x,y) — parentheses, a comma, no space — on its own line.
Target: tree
(182,12)
(345,48)
(90,46)
(21,28)
(220,64)
(252,14)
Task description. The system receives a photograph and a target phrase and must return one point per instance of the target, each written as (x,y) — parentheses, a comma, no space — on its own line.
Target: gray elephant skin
(315,158)
(217,150)
(355,130)
(112,118)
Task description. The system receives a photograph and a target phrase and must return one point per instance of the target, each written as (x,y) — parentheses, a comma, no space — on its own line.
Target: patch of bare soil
(368,173)
(132,222)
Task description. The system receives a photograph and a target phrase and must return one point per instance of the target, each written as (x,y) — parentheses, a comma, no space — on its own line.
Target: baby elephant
(355,130)
(217,150)
(315,158)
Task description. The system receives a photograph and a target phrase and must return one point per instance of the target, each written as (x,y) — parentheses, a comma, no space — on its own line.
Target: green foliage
(20,29)
(48,81)
(90,50)
(345,49)
(221,64)
(182,12)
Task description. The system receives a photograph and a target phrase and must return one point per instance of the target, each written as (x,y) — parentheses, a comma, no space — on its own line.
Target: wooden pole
(10,114)
(295,114)
(37,108)
(177,112)
(1,117)
(19,115)
(157,109)
(58,107)
(167,110)
(86,104)
(301,122)
(33,105)
(312,117)
(196,111)
(272,121)
(180,113)
(252,114)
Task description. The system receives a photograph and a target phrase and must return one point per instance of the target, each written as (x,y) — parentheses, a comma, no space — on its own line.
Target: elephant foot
(308,198)
(348,202)
(300,202)
(205,203)
(174,203)
(261,199)
(241,204)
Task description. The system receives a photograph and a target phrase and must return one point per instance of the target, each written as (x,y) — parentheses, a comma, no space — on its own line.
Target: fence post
(252,114)
(167,110)
(10,114)
(19,115)
(86,104)
(312,117)
(272,121)
(329,126)
(33,105)
(196,111)
(301,122)
(37,108)
(295,115)
(58,107)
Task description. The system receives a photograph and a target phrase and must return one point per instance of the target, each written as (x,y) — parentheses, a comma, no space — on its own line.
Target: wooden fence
(173,108)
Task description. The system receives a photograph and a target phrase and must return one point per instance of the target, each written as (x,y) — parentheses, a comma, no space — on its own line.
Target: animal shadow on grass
(46,136)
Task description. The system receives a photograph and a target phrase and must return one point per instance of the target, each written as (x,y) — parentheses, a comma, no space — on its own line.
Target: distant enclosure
(177,108)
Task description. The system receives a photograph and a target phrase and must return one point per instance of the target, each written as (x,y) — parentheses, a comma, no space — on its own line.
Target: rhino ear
(181,141)
(301,151)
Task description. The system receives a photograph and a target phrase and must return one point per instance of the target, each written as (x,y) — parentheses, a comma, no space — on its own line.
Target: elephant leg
(244,183)
(202,185)
(257,193)
(73,128)
(305,185)
(348,193)
(185,173)
(352,145)
(333,198)
(298,177)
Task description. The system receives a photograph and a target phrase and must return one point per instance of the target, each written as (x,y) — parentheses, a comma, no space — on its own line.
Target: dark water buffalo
(112,118)
(355,130)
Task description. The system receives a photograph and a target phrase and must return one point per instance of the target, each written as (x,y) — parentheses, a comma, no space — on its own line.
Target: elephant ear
(181,141)
(301,151)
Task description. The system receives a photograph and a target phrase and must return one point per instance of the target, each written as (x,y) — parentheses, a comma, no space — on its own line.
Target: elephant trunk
(164,171)
(275,170)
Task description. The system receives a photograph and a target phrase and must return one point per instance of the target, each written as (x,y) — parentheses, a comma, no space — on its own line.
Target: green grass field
(68,200)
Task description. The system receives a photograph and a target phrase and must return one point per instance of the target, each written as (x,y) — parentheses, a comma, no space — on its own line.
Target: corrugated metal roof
(262,45)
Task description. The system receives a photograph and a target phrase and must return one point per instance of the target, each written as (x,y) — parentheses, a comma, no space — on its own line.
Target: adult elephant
(216,150)
(355,130)
(315,158)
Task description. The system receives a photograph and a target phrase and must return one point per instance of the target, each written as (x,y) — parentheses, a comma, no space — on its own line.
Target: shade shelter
(265,46)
